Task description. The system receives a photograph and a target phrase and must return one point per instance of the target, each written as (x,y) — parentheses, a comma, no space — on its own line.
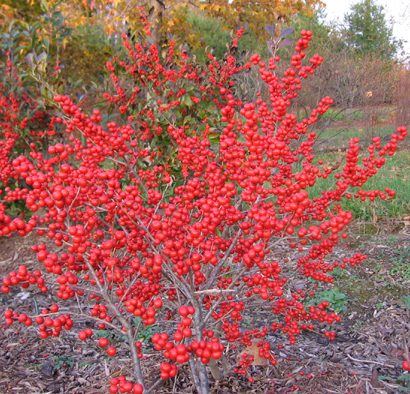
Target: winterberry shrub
(155,88)
(24,125)
(193,256)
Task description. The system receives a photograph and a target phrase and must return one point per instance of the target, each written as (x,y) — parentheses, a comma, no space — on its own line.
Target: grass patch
(335,114)
(394,175)
(341,137)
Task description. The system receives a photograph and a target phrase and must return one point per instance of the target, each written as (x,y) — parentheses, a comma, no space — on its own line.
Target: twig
(174,386)
(157,383)
(137,177)
(214,291)
(370,362)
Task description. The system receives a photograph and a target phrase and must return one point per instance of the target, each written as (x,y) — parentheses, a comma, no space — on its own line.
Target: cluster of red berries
(245,362)
(24,279)
(46,324)
(20,116)
(168,370)
(121,385)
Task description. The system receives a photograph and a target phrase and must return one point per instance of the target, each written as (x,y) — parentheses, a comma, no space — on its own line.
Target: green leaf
(46,43)
(11,24)
(44,5)
(76,83)
(102,334)
(107,118)
(213,139)
(34,39)
(187,119)
(381,377)
(188,102)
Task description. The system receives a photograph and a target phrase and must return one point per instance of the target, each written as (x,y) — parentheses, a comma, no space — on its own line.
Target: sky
(397,11)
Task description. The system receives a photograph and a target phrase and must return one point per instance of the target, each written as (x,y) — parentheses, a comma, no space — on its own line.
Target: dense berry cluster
(180,234)
(22,122)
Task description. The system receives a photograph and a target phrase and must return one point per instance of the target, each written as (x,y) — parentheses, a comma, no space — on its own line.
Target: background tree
(368,31)
(171,16)
(344,74)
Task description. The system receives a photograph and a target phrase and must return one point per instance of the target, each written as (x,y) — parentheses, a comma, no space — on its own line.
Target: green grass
(394,175)
(406,302)
(401,268)
(342,115)
(335,136)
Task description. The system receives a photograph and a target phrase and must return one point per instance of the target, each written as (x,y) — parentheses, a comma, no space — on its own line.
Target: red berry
(111,351)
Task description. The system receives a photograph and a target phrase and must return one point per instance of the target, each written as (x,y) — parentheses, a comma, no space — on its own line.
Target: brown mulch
(366,357)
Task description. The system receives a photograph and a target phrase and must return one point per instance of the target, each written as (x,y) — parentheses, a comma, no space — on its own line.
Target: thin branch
(370,362)
(123,321)
(194,373)
(137,177)
(157,383)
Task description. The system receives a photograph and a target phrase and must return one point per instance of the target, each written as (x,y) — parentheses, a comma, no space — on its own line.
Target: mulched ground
(366,357)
